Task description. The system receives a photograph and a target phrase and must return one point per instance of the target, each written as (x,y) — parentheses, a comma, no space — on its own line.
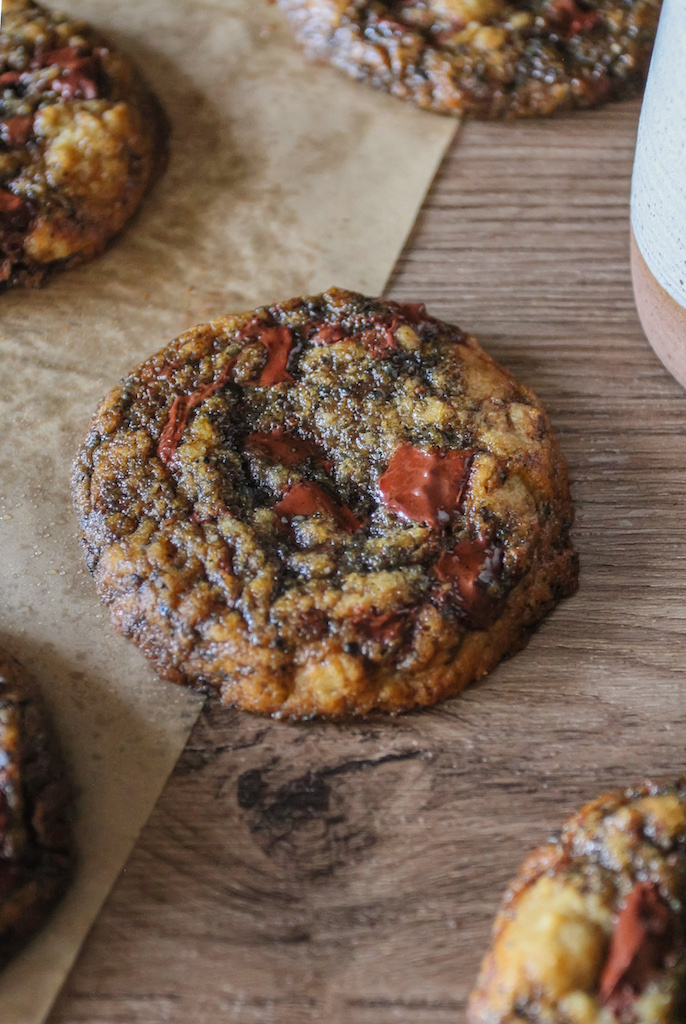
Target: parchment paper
(285,178)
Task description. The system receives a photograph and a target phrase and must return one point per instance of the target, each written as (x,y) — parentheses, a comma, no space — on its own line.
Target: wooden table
(349,874)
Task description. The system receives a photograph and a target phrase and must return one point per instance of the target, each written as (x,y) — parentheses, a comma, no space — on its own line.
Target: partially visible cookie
(81,139)
(487,58)
(35,845)
(326,506)
(593,930)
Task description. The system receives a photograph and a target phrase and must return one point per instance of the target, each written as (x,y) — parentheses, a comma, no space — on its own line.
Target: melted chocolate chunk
(178,414)
(278,342)
(426,486)
(569,19)
(174,428)
(380,345)
(385,628)
(470,568)
(16,131)
(80,74)
(327,334)
(308,499)
(282,449)
(79,81)
(644,940)
(63,57)
(415,313)
(14,211)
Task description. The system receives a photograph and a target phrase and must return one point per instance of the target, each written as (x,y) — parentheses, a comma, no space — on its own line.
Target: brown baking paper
(284,179)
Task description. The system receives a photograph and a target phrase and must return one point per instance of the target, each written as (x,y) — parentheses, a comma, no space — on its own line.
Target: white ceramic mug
(658,195)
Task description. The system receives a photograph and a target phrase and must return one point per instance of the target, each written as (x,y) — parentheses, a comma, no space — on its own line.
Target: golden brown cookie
(81,138)
(592,930)
(35,846)
(487,58)
(324,507)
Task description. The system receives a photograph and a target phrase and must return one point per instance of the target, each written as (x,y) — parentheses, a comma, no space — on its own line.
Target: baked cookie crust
(325,507)
(485,58)
(593,929)
(35,845)
(81,139)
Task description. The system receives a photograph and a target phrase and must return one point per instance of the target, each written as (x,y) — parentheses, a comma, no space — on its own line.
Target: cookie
(324,507)
(592,931)
(81,139)
(486,58)
(35,847)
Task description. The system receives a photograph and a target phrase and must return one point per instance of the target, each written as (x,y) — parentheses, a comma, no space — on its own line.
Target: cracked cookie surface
(486,58)
(592,931)
(326,506)
(81,139)
(35,846)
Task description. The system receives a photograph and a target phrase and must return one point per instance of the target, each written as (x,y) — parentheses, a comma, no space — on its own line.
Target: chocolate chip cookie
(486,58)
(35,848)
(324,507)
(592,931)
(81,139)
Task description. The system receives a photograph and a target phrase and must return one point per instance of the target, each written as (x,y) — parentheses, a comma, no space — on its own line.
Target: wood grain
(349,874)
